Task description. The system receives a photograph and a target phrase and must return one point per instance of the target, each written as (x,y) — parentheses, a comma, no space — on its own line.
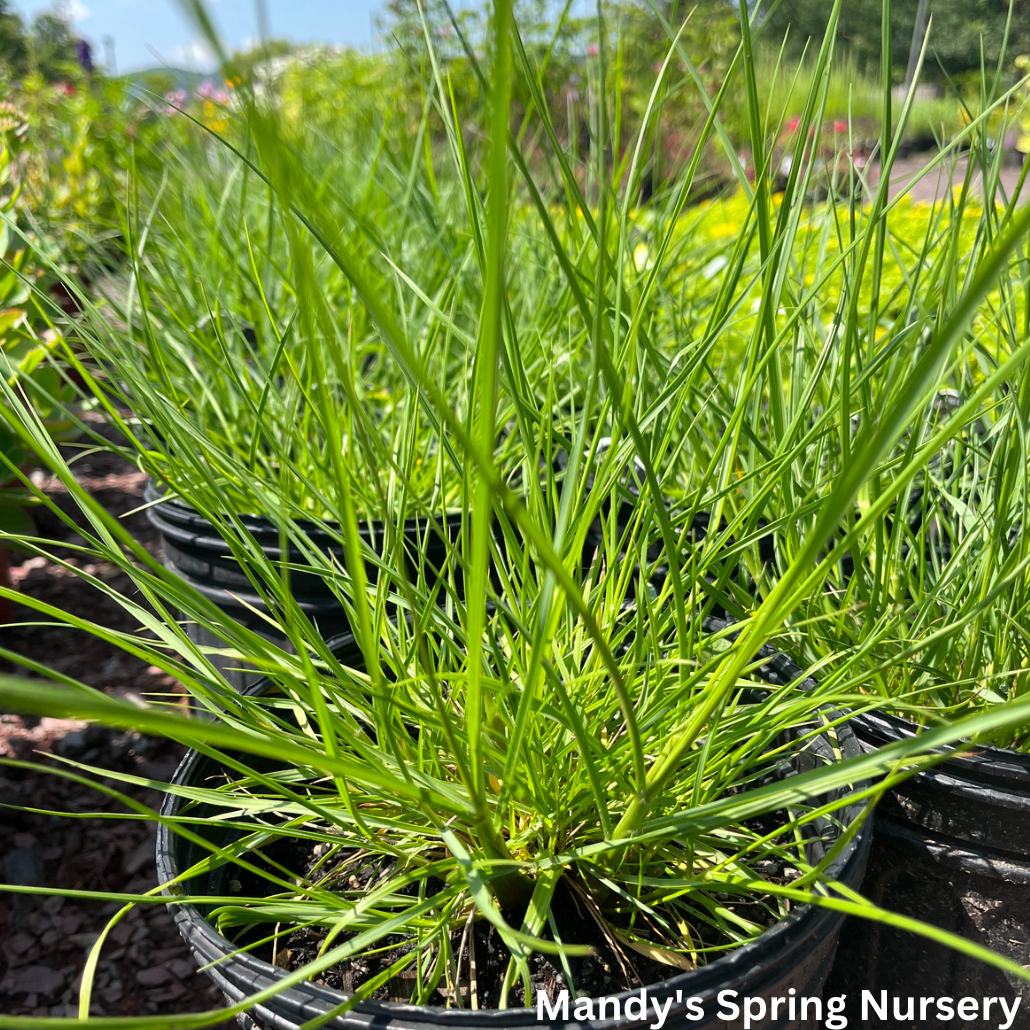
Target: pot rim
(979,765)
(982,764)
(166,513)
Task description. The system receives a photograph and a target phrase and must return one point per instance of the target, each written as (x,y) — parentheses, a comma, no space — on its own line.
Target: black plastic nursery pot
(951,846)
(791,959)
(196,552)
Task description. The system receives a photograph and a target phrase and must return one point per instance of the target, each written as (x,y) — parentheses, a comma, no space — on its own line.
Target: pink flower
(206,88)
(840,126)
(592,50)
(793,124)
(176,100)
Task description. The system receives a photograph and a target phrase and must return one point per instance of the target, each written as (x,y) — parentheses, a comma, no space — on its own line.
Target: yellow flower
(724,229)
(213,117)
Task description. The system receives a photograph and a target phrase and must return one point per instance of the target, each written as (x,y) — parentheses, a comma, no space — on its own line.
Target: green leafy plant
(27,341)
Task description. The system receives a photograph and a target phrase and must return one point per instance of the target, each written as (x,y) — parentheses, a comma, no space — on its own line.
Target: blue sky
(136,26)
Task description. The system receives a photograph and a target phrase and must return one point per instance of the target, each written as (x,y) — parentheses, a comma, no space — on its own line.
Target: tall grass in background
(546,713)
(927,595)
(854,96)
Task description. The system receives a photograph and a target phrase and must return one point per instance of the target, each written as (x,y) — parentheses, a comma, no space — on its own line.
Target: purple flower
(84,52)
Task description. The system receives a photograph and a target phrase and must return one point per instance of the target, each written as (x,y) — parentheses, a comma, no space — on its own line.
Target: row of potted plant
(461,483)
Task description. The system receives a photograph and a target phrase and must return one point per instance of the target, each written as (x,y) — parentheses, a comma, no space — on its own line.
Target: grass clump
(558,716)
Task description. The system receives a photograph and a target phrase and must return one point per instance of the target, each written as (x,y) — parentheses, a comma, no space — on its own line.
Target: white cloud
(72,10)
(197,53)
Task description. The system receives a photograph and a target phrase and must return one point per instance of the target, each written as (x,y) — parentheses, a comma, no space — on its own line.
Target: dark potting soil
(613,967)
(606,972)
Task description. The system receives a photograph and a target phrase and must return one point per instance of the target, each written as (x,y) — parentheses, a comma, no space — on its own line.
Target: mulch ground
(145,968)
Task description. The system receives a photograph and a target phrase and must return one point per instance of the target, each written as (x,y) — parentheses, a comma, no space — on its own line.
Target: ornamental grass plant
(530,731)
(929,597)
(925,590)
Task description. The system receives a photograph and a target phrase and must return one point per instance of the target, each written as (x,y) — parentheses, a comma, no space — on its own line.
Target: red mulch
(145,968)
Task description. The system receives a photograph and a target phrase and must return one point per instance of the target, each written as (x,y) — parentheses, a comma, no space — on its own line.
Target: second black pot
(951,847)
(196,552)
